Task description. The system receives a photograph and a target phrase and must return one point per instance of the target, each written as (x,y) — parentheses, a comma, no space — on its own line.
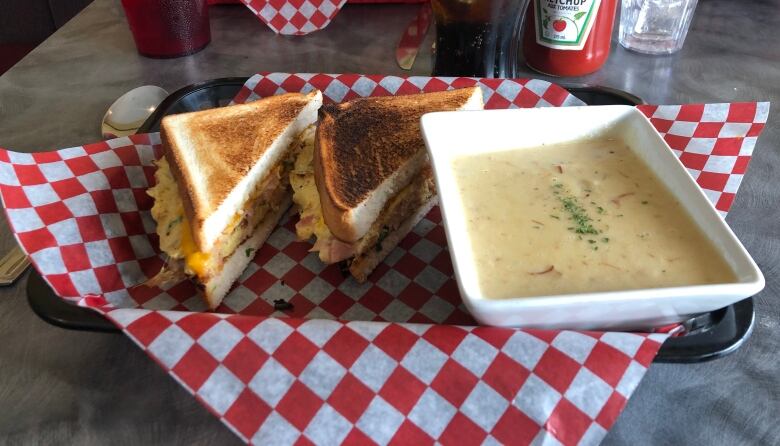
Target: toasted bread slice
(396,212)
(219,156)
(365,263)
(216,287)
(368,149)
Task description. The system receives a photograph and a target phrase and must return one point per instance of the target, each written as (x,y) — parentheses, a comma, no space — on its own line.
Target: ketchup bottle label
(564,24)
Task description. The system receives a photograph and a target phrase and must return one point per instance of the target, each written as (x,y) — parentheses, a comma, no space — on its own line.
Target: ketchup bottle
(568,37)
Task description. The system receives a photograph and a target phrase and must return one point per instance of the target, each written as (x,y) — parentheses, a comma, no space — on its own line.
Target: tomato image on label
(564,24)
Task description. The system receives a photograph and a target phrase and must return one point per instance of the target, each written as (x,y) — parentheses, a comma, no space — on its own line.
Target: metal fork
(12,265)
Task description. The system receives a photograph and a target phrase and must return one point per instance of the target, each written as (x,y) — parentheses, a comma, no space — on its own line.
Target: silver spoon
(130,110)
(122,118)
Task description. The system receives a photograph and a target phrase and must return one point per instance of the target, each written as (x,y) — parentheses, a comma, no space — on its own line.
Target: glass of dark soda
(477,37)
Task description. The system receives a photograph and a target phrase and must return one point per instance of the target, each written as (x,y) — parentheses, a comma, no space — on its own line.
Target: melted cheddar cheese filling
(195,260)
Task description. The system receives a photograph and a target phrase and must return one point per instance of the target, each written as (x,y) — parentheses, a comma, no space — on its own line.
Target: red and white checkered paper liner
(295,17)
(395,360)
(301,17)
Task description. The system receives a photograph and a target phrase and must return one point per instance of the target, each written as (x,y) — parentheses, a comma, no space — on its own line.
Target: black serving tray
(708,336)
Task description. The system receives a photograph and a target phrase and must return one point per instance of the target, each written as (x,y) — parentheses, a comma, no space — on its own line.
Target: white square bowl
(449,135)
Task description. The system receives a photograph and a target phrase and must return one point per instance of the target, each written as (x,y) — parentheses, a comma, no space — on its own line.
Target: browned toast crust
(362,143)
(228,141)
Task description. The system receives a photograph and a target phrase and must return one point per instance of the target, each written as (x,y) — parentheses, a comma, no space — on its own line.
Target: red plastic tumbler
(168,28)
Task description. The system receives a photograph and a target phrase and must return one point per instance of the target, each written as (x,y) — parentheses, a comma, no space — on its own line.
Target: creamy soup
(578,217)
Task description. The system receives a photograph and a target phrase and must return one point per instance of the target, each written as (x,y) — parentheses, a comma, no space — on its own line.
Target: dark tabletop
(68,387)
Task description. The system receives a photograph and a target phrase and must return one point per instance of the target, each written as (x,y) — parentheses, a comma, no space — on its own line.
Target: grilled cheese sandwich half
(365,182)
(312,222)
(223,184)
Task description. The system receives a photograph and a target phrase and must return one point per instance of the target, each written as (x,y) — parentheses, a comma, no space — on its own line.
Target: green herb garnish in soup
(585,216)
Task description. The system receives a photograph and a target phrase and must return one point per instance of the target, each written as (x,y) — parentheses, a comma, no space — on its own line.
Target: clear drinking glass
(655,26)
